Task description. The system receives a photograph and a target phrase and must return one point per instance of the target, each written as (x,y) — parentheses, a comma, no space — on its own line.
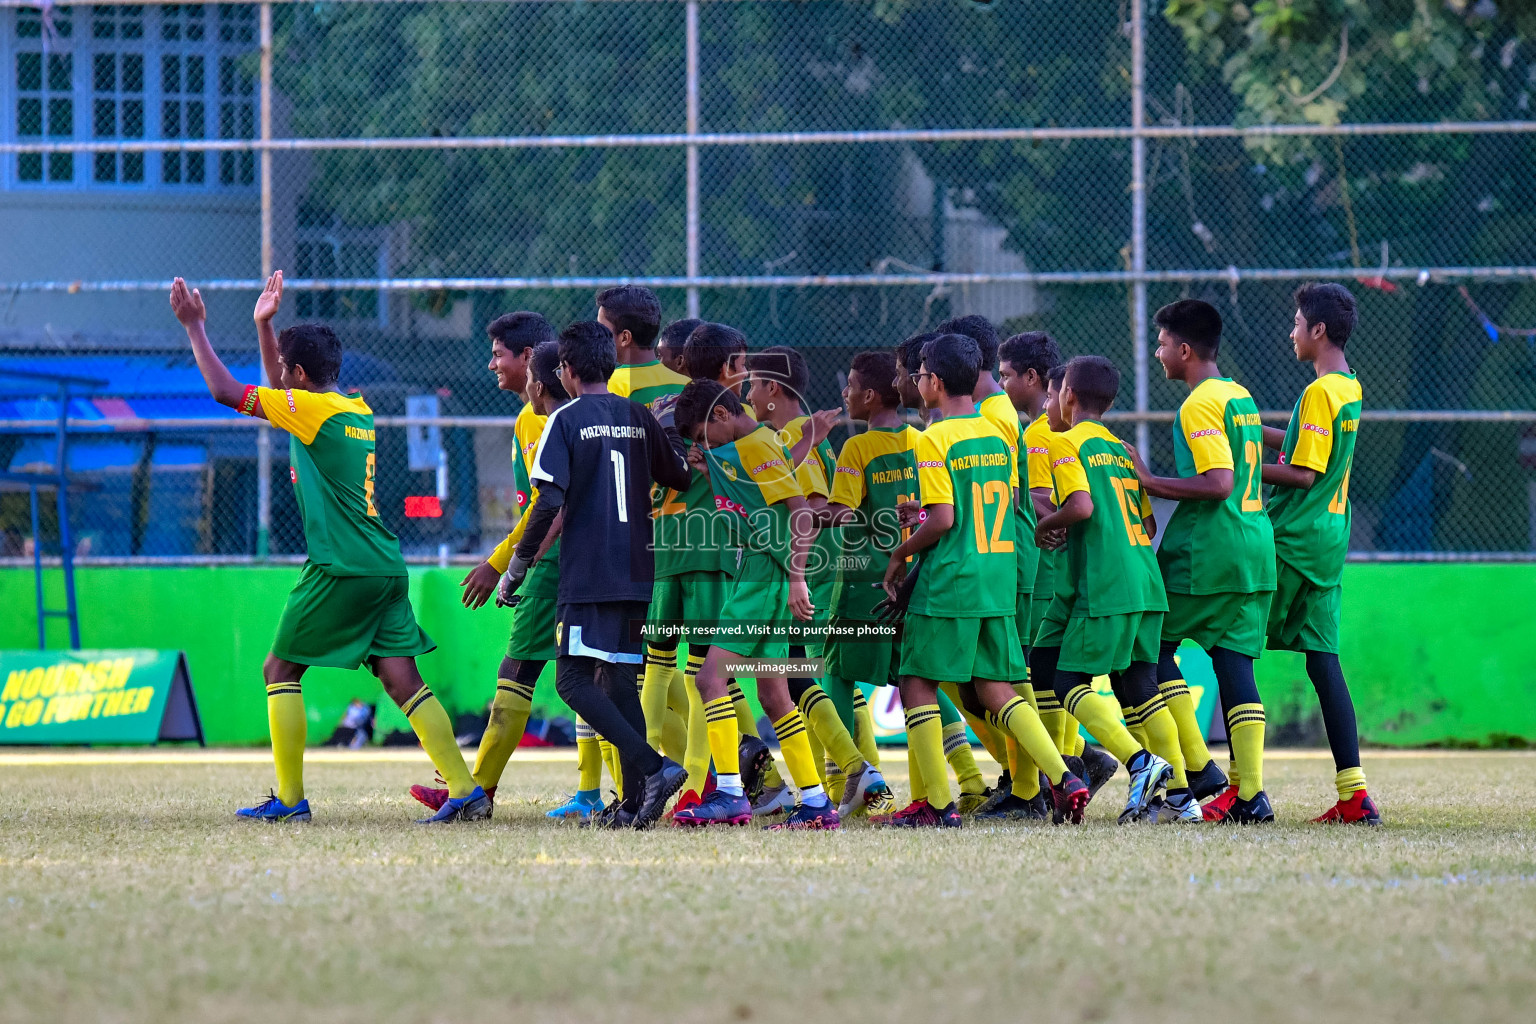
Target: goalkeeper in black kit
(594,466)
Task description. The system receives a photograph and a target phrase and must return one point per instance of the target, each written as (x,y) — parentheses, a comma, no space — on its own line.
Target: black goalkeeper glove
(506,590)
(894,609)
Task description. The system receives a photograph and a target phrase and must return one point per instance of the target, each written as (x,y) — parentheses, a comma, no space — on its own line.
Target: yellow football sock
(1245,729)
(1022,769)
(510,709)
(724,735)
(745,723)
(1052,715)
(836,780)
(674,734)
(1077,741)
(1102,717)
(925,737)
(864,728)
(957,751)
(915,775)
(1021,721)
(1348,782)
(795,745)
(818,752)
(1181,705)
(827,727)
(696,756)
(589,758)
(435,732)
(611,762)
(659,666)
(1025,781)
(290,730)
(991,740)
(747,726)
(1163,738)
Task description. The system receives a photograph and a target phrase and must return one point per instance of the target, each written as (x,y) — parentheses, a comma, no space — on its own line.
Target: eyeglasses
(917,378)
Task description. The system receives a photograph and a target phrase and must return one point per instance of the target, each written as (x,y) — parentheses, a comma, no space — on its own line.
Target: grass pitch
(129,893)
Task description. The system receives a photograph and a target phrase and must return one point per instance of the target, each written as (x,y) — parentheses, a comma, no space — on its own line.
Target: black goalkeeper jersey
(601,454)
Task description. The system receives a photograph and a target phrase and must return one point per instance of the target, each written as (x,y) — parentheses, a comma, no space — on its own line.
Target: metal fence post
(691,45)
(264,433)
(1139,212)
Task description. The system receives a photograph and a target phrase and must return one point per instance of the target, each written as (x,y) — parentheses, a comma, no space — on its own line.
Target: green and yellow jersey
(968,462)
(815,474)
(999,409)
(1036,472)
(685,537)
(1219,547)
(752,478)
(1312,526)
(876,471)
(331,462)
(1109,566)
(544,578)
(646,382)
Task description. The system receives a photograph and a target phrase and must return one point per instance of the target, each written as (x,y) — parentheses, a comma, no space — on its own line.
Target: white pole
(691,45)
(1139,212)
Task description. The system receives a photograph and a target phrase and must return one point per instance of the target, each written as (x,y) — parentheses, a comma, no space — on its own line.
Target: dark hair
(314,347)
(709,347)
(956,360)
(1032,350)
(632,308)
(909,353)
(877,371)
(980,330)
(782,365)
(586,346)
(545,368)
(1056,375)
(1095,381)
(698,397)
(520,330)
(1330,304)
(1195,323)
(676,333)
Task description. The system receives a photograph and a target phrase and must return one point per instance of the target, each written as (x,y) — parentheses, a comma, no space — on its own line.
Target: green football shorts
(533,629)
(756,613)
(1230,620)
(862,659)
(342,621)
(689,604)
(1049,617)
(1109,643)
(1023,611)
(1303,616)
(960,650)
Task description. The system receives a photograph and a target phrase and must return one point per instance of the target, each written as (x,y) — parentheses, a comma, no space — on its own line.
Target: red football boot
(1217,808)
(1359,809)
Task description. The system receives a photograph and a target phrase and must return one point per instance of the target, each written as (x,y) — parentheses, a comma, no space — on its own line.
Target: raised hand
(187,304)
(270,300)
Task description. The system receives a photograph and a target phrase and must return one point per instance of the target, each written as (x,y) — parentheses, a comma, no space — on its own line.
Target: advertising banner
(105,697)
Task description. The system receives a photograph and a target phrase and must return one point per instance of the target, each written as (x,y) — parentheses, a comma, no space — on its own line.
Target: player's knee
(527,672)
(1324,670)
(276,670)
(971,701)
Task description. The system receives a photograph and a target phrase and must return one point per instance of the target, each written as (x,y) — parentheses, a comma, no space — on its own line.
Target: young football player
(350,605)
(1311,514)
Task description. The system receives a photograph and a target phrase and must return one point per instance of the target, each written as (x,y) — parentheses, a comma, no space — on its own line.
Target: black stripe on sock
(417,700)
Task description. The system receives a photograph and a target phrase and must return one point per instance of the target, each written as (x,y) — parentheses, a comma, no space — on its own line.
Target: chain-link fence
(829,175)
